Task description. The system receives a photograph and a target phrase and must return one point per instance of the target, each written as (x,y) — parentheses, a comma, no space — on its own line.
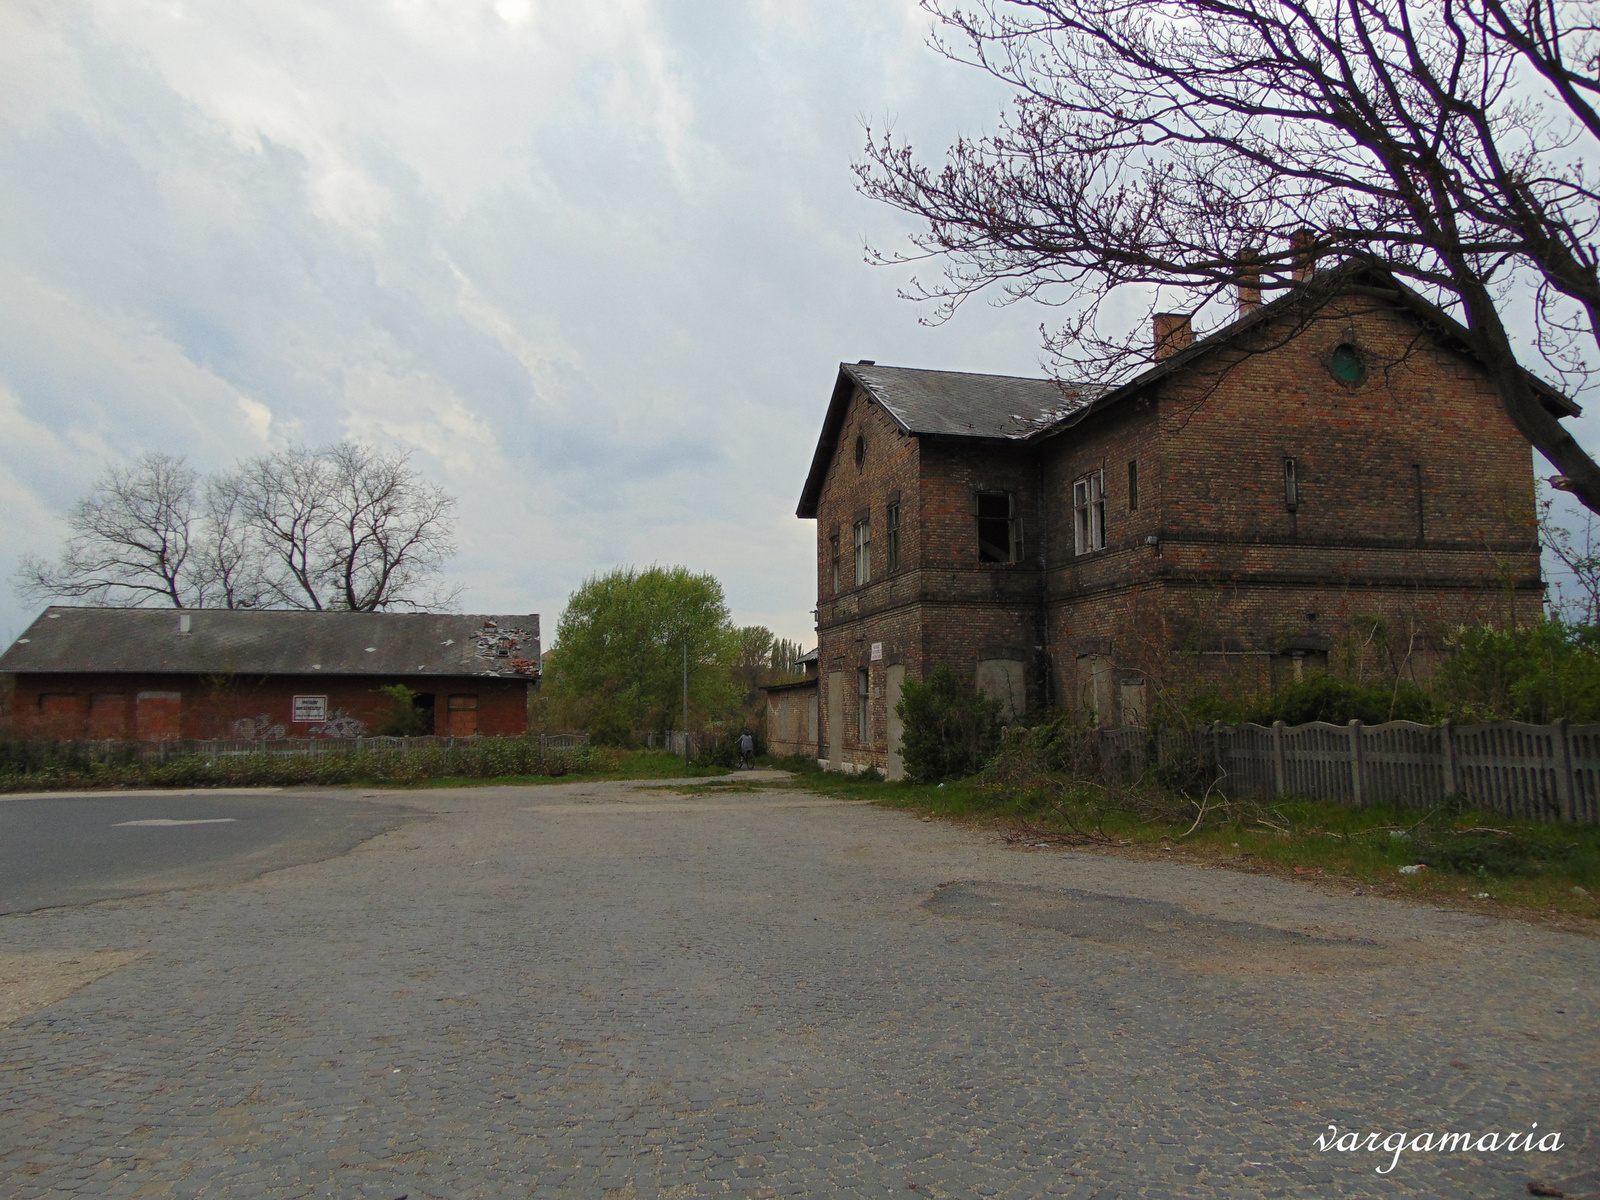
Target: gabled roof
(271,642)
(1354,276)
(1013,408)
(941,403)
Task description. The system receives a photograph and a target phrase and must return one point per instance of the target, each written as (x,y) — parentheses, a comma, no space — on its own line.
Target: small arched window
(861,451)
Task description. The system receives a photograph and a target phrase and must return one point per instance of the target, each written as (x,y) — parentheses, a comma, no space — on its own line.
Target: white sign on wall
(310,708)
(877,651)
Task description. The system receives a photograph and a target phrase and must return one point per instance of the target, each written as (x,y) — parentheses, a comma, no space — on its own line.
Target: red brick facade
(1410,513)
(167,708)
(171,707)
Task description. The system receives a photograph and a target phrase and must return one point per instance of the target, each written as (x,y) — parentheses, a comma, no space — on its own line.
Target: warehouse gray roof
(209,641)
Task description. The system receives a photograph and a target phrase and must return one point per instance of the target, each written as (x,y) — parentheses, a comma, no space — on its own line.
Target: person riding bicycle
(747,750)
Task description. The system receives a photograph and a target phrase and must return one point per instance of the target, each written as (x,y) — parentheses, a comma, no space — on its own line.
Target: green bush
(1318,697)
(47,766)
(951,728)
(403,719)
(1537,673)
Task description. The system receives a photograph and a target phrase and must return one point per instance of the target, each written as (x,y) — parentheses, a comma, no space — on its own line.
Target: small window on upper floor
(833,559)
(892,531)
(1089,513)
(999,529)
(861,451)
(1133,485)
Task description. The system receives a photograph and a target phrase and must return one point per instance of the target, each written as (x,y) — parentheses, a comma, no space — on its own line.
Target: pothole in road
(1157,927)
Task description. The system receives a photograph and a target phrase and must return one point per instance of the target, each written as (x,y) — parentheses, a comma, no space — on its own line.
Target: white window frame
(863,547)
(1089,513)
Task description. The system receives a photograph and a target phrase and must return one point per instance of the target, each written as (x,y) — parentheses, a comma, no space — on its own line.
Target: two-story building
(1329,478)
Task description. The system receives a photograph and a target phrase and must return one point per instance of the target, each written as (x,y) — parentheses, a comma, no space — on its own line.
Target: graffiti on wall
(340,724)
(259,728)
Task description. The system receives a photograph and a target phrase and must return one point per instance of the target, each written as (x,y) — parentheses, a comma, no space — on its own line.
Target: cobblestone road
(600,990)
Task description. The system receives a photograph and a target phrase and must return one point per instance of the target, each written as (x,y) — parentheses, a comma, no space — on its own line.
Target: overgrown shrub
(45,766)
(1318,697)
(951,728)
(1537,673)
(403,719)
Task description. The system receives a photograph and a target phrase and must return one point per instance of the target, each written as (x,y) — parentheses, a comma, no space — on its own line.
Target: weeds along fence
(1536,772)
(27,765)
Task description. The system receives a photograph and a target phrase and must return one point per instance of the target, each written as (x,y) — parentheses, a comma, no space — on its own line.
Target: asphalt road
(76,850)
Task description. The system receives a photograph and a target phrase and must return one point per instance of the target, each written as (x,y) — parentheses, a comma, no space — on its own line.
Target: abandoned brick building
(1328,474)
(163,674)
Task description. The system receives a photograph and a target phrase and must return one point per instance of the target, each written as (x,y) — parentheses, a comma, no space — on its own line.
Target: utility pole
(685,704)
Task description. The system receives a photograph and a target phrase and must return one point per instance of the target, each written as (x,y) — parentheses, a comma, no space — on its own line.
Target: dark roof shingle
(270,642)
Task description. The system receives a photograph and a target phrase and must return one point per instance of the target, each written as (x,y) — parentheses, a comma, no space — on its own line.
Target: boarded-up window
(157,716)
(463,716)
(108,715)
(62,715)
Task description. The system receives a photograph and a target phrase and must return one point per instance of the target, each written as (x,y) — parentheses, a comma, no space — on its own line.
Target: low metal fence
(1537,772)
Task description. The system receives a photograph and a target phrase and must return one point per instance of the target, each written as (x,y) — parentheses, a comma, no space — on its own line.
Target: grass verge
(1473,860)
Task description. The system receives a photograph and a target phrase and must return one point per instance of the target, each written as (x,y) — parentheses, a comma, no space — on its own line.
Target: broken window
(1089,513)
(863,707)
(863,551)
(999,532)
(893,530)
(833,556)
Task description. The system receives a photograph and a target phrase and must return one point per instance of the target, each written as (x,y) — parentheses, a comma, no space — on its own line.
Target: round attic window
(861,451)
(1348,365)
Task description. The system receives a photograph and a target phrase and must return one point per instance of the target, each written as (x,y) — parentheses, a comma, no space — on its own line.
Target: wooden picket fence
(1536,772)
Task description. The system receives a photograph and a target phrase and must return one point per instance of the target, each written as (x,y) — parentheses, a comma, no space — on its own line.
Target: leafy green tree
(619,659)
(951,728)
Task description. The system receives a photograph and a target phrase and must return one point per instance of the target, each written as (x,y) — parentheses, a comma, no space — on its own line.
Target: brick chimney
(1172,333)
(1249,282)
(1305,259)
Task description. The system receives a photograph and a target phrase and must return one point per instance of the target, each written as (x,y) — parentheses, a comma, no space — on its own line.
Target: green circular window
(1347,364)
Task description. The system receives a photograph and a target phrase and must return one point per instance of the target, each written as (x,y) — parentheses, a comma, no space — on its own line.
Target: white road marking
(169,821)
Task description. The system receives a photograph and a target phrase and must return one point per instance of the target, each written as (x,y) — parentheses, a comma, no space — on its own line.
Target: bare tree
(392,534)
(344,527)
(131,540)
(1175,148)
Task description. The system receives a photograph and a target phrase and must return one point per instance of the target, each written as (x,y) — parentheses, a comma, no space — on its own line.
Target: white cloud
(593,264)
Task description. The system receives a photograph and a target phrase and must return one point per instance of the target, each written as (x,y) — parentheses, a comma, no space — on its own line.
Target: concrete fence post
(1564,779)
(1280,761)
(1452,773)
(1356,795)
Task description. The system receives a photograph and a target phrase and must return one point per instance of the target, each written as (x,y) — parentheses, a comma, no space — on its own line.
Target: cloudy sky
(593,264)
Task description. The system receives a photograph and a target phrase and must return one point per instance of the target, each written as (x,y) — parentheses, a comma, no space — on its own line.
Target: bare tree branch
(1155,146)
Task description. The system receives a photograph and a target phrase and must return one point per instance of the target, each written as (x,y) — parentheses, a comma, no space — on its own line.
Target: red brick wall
(110,706)
(1212,574)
